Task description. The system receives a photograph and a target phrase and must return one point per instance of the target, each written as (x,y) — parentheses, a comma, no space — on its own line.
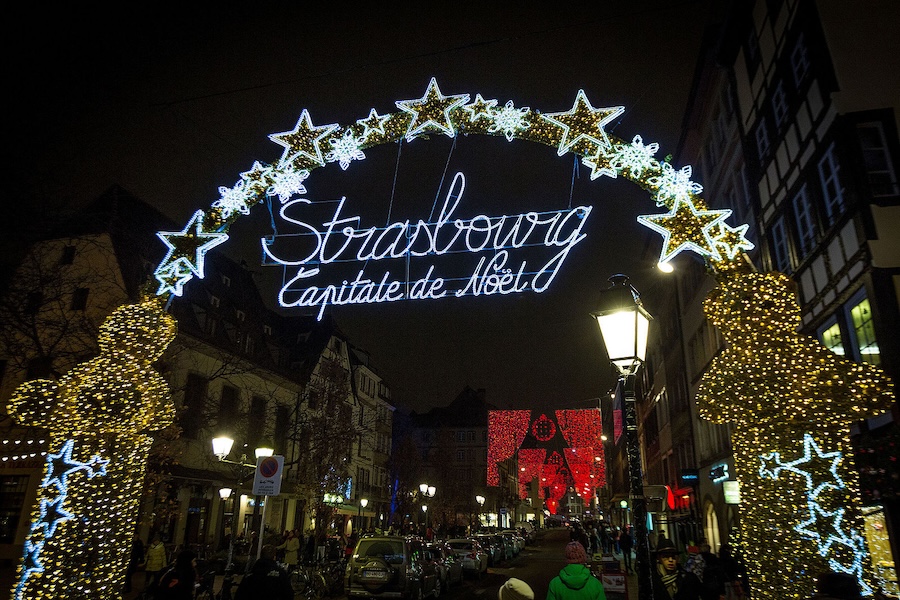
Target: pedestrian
(266,579)
(134,561)
(652,540)
(626,543)
(291,547)
(515,589)
(735,574)
(157,561)
(712,579)
(575,581)
(179,581)
(670,581)
(836,586)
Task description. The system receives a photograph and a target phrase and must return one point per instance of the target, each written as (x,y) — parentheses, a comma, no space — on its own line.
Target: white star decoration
(481,108)
(373,124)
(685,228)
(583,122)
(187,247)
(850,541)
(431,112)
(303,140)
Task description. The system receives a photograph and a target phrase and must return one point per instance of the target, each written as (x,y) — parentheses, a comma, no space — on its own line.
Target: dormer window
(240,315)
(226,281)
(214,301)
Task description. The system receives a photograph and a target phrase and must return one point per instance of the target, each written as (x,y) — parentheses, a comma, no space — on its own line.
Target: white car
(518,542)
(474,558)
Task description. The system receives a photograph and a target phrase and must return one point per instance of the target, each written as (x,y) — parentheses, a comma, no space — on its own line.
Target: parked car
(517,541)
(391,567)
(474,558)
(494,546)
(528,531)
(448,563)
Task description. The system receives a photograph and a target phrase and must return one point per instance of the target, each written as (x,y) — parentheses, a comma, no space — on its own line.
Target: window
(241,315)
(806,231)
(851,331)
(194,402)
(877,158)
(779,103)
(460,436)
(267,329)
(226,280)
(864,331)
(12,499)
(799,60)
(68,256)
(229,406)
(781,257)
(80,298)
(214,301)
(762,140)
(460,456)
(832,192)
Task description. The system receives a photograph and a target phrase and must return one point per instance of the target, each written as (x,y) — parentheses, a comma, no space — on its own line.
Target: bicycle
(308,582)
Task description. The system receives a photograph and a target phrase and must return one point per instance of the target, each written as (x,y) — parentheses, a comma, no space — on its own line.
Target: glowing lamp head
(423,488)
(665,267)
(479,500)
(264,449)
(222,446)
(224,493)
(363,502)
(624,324)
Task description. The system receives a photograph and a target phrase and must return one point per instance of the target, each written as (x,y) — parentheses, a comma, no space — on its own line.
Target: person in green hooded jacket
(575,581)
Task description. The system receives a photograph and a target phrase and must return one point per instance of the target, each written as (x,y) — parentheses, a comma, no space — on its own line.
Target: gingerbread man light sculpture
(792,402)
(99,417)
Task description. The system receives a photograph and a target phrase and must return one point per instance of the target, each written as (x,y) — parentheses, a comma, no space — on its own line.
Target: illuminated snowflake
(509,120)
(671,184)
(345,149)
(234,200)
(287,182)
(634,157)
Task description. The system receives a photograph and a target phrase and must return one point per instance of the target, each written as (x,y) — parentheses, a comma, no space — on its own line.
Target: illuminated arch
(687,225)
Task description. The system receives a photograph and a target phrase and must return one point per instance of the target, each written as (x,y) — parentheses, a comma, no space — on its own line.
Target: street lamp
(624,327)
(362,504)
(222,446)
(426,491)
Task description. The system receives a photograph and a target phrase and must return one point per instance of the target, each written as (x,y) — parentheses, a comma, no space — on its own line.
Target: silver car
(474,558)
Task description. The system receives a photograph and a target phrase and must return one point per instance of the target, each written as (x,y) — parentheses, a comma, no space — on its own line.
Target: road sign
(267,480)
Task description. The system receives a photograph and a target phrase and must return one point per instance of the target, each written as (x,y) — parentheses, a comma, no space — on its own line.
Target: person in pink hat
(575,581)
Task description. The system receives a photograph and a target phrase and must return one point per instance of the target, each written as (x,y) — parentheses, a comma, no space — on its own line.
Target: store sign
(719,473)
(690,476)
(732,491)
(503,241)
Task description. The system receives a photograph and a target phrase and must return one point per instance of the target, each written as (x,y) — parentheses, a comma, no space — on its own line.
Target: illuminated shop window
(851,332)
(864,329)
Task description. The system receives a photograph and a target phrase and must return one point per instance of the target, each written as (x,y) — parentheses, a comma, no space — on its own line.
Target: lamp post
(480,500)
(362,504)
(222,446)
(426,491)
(624,326)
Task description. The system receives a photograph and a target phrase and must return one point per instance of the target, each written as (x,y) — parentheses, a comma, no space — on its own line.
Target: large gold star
(431,112)
(583,122)
(303,140)
(685,228)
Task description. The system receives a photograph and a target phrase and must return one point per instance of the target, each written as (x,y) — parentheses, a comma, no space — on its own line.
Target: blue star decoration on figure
(60,465)
(186,255)
(825,528)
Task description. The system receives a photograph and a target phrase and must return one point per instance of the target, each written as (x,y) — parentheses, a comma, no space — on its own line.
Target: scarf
(669,580)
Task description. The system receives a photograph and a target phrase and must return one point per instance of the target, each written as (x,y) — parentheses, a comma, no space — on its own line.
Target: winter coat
(267,580)
(156,558)
(291,547)
(575,582)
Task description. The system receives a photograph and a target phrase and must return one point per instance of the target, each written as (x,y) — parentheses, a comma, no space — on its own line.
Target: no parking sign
(267,481)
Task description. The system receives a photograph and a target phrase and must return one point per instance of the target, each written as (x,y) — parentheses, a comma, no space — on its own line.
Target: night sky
(171,104)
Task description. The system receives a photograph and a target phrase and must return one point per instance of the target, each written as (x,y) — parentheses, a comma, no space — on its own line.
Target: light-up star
(303,140)
(32,564)
(815,463)
(190,245)
(509,120)
(583,122)
(766,470)
(824,528)
(288,181)
(431,112)
(237,199)
(373,124)
(685,228)
(345,149)
(599,165)
(257,177)
(731,240)
(97,466)
(173,277)
(481,108)
(59,466)
(52,514)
